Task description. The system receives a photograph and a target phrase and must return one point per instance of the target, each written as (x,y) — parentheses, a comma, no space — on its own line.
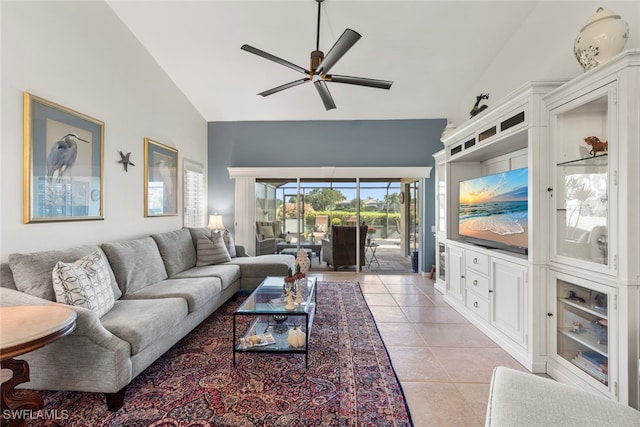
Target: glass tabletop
(268,297)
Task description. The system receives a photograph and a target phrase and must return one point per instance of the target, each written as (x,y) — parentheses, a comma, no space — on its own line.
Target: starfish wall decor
(124,159)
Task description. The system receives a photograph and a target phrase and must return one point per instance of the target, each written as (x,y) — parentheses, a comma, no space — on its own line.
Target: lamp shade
(215,222)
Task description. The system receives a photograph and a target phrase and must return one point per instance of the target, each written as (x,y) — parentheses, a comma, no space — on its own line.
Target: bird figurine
(124,159)
(63,154)
(477,108)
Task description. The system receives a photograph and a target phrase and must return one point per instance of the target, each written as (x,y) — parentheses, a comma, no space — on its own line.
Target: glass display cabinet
(581,327)
(581,195)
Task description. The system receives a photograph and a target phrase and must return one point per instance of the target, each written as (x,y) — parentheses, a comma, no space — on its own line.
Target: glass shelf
(599,160)
(582,329)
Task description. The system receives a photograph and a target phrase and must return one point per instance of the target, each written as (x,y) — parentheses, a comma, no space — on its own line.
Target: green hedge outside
(339,217)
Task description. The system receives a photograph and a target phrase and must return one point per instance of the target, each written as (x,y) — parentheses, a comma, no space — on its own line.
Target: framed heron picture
(63,163)
(160,179)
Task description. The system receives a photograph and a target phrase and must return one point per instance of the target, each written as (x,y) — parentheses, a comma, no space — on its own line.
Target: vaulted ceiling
(432,50)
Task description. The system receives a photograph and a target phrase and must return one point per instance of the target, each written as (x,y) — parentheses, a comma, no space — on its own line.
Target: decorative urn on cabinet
(602,38)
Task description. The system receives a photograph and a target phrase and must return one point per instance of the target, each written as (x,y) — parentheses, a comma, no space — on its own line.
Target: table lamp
(215,222)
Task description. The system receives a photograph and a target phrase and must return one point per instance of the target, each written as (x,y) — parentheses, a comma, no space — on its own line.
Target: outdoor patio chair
(340,249)
(268,234)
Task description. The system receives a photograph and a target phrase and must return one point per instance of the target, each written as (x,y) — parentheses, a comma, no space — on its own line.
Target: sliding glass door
(303,212)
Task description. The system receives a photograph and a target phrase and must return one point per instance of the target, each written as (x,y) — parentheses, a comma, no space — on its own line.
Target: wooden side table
(24,329)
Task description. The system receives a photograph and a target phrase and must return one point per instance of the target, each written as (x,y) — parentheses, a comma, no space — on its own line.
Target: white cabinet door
(582,315)
(583,197)
(508,298)
(455,272)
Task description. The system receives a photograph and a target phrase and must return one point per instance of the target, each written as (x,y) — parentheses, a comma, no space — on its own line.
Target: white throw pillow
(266,231)
(211,250)
(84,283)
(229,243)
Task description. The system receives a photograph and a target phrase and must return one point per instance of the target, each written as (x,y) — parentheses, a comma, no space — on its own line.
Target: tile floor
(444,363)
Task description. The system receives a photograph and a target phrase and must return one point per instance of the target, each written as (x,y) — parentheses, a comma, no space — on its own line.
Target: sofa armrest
(87,322)
(12,298)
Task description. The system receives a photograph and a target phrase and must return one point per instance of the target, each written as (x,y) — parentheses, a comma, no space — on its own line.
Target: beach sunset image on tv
(494,208)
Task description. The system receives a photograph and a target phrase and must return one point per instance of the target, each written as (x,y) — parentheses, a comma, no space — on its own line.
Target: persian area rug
(349,381)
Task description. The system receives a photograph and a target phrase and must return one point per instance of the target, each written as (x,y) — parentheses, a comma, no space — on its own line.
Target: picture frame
(63,154)
(160,179)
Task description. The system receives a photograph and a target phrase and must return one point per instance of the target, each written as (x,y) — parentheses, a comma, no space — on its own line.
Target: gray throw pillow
(229,243)
(212,250)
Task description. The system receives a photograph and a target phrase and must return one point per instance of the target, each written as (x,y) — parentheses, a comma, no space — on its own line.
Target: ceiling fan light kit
(320,65)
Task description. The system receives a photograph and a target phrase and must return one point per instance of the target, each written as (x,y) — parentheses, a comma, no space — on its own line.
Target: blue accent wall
(341,143)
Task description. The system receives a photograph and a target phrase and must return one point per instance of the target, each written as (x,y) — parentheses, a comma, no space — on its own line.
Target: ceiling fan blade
(360,81)
(344,43)
(273,58)
(283,87)
(323,90)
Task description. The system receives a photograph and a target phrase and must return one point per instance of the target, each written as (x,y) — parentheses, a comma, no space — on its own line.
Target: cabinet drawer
(478,305)
(477,261)
(477,282)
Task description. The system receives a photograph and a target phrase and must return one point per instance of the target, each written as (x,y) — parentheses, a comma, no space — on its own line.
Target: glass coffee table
(268,330)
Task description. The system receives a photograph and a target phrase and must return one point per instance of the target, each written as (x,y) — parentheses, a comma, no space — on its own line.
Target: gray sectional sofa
(160,296)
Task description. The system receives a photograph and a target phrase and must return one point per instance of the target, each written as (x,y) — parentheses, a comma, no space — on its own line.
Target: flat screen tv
(493,210)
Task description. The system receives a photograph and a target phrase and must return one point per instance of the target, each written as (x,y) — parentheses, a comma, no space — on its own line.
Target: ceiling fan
(320,66)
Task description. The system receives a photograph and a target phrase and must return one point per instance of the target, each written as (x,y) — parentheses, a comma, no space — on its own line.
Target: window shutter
(195,206)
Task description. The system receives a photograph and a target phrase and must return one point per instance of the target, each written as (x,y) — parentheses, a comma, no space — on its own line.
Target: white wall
(542,49)
(81,56)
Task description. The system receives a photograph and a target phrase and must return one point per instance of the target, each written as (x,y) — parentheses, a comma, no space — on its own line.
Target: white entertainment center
(570,307)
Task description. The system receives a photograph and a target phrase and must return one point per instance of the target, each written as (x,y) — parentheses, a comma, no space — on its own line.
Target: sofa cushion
(211,250)
(196,291)
(266,232)
(32,272)
(177,250)
(84,283)
(135,263)
(142,322)
(227,273)
(229,243)
(264,265)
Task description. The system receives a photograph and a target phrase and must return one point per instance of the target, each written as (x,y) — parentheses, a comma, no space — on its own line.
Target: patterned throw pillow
(211,251)
(84,283)
(229,243)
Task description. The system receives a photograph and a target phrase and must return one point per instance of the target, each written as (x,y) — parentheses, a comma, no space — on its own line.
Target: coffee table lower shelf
(264,323)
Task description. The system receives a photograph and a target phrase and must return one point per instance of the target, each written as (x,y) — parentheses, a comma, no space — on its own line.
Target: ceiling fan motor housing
(316,59)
